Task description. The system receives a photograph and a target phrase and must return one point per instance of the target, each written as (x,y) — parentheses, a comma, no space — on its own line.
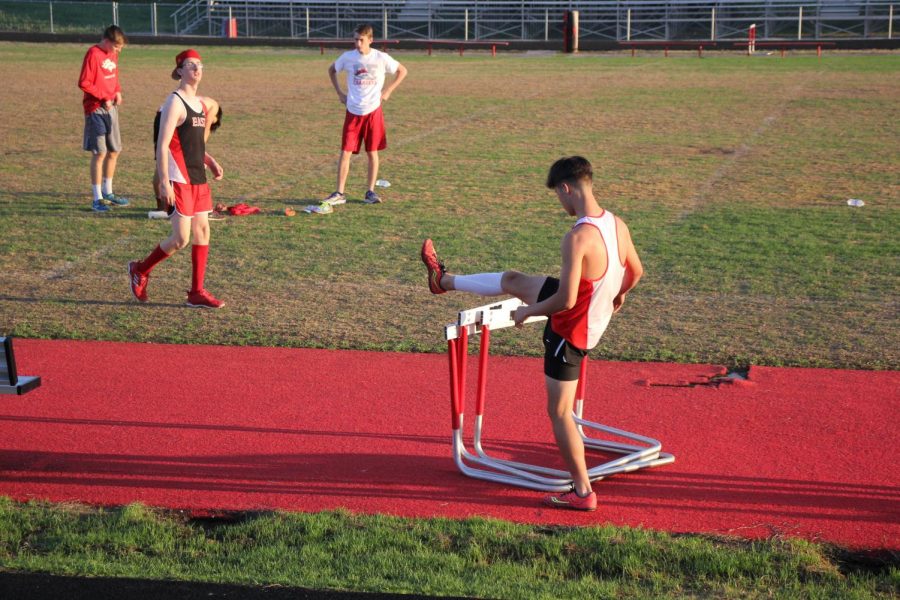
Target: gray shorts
(101,131)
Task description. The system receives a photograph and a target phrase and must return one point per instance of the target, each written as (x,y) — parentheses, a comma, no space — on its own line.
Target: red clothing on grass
(99,78)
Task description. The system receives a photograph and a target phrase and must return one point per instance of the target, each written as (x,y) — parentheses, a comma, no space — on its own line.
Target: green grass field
(733,174)
(473,558)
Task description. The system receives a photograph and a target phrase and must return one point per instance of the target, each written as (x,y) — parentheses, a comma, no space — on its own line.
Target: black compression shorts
(562,360)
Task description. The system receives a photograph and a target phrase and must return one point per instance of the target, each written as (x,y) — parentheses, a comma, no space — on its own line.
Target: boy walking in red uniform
(366,68)
(99,80)
(181,162)
(599,267)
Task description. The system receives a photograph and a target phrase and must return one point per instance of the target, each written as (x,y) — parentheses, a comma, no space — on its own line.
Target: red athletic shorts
(369,127)
(192,199)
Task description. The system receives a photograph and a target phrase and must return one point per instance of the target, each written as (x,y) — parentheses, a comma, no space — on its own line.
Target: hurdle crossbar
(643,453)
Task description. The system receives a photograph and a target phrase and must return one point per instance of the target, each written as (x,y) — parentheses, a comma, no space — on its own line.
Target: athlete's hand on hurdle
(520,315)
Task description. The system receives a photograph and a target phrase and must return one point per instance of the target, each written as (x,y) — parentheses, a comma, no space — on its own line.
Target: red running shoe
(203,299)
(435,267)
(572,501)
(138,282)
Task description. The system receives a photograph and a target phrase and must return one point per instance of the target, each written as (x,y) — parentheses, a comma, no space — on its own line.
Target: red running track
(798,452)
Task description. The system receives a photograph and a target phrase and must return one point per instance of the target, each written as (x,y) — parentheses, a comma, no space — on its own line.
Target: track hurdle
(637,453)
(10,380)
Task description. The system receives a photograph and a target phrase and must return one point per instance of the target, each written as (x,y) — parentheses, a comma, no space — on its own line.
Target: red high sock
(153,259)
(198,266)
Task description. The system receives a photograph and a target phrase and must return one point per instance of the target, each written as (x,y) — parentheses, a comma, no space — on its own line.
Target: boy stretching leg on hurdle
(599,267)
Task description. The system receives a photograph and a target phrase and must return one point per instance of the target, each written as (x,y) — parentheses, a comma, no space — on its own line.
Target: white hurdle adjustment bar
(638,453)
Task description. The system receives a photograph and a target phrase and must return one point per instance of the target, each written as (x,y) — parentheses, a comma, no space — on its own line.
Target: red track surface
(799,452)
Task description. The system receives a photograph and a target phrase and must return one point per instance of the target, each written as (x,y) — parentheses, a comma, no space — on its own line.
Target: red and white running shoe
(572,501)
(203,299)
(138,282)
(435,267)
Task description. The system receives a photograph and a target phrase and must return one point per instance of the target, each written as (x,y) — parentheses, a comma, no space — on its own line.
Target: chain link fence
(463,19)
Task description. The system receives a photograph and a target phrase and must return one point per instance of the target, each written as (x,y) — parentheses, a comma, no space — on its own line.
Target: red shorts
(192,199)
(369,127)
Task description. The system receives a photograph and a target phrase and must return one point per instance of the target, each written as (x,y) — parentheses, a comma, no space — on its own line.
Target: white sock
(107,185)
(97,194)
(483,284)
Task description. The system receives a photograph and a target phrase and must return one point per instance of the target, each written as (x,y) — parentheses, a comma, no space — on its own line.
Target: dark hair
(366,30)
(569,170)
(218,122)
(115,34)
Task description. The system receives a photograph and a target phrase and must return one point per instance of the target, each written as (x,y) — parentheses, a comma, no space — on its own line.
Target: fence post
(292,20)
(800,24)
(712,24)
(547,25)
(51,20)
(307,22)
(890,20)
(628,27)
(522,15)
(384,31)
(115,13)
(466,24)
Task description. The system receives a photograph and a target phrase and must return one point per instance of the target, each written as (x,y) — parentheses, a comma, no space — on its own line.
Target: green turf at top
(732,172)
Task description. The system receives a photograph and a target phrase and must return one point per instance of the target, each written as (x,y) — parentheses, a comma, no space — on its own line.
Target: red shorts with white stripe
(191,199)
(369,127)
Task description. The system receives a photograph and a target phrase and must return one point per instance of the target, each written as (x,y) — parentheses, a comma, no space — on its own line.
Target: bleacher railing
(465,19)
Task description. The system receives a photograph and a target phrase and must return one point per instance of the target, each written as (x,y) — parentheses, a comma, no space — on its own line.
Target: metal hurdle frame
(480,465)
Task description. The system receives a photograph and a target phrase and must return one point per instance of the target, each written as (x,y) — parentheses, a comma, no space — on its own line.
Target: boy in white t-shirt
(366,68)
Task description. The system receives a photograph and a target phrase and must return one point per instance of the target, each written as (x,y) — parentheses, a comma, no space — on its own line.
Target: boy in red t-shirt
(99,80)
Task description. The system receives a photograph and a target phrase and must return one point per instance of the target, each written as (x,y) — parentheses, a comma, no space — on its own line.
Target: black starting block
(10,382)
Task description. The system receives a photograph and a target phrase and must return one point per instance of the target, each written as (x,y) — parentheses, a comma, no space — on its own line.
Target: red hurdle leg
(667,52)
(462,361)
(429,49)
(460,50)
(700,51)
(582,379)
(782,52)
(819,50)
(493,49)
(321,48)
(454,383)
(482,370)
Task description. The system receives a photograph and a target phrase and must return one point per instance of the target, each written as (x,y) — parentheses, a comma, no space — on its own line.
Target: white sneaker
(319,209)
(335,198)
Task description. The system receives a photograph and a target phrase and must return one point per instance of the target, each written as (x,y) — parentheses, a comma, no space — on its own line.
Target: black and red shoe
(435,267)
(572,501)
(203,299)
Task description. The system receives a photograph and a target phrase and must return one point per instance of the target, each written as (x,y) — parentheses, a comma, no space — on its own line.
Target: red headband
(183,56)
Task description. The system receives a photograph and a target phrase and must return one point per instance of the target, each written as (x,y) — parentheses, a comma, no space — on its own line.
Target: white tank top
(584,324)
